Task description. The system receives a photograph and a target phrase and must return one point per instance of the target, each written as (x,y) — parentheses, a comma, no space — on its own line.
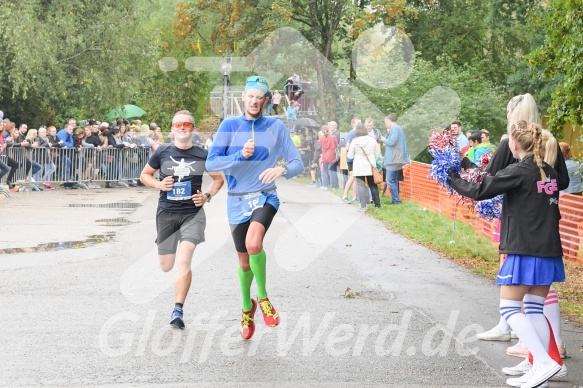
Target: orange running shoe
(247,322)
(270,316)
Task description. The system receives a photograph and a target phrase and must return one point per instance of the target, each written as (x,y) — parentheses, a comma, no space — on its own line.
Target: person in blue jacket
(65,136)
(396,156)
(247,149)
(292,114)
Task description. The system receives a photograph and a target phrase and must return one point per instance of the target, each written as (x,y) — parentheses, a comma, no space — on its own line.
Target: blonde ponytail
(538,146)
(549,148)
(522,107)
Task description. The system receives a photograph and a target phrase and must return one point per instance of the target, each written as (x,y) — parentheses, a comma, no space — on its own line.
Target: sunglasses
(186,125)
(257,79)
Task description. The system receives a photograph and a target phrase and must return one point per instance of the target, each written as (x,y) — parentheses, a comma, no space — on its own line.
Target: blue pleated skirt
(531,271)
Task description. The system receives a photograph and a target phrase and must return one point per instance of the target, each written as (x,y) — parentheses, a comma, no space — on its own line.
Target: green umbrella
(127,112)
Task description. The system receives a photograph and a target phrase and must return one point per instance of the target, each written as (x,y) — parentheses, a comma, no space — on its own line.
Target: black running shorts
(263,215)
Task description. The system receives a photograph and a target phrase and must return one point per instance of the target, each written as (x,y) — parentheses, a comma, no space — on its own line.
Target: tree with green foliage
(493,36)
(225,26)
(164,91)
(481,103)
(561,57)
(68,56)
(240,26)
(324,23)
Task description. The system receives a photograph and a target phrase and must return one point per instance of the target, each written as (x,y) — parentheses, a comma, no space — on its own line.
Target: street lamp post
(226,70)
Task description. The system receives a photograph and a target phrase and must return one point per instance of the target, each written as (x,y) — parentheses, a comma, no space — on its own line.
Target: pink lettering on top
(548,187)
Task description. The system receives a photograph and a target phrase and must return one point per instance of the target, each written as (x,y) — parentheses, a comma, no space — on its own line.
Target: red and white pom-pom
(473,175)
(485,160)
(440,139)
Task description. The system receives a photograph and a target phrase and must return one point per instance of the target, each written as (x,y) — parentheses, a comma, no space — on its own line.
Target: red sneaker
(270,316)
(247,322)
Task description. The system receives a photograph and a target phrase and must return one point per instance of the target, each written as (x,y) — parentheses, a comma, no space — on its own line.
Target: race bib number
(252,201)
(181,191)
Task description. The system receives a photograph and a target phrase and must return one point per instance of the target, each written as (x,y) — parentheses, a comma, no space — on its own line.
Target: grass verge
(464,246)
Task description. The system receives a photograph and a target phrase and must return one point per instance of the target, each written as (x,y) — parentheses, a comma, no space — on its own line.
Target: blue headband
(256,82)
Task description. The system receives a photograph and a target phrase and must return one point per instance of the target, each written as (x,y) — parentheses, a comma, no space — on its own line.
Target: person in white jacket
(364,152)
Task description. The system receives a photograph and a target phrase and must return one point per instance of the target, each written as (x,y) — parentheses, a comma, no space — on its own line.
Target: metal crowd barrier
(81,169)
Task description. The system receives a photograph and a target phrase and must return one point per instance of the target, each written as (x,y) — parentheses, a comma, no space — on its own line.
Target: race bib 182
(181,191)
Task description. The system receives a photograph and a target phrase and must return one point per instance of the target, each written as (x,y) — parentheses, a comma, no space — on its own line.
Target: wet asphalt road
(83,302)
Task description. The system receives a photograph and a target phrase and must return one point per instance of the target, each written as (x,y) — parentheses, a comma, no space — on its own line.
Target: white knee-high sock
(503,326)
(553,313)
(533,309)
(510,310)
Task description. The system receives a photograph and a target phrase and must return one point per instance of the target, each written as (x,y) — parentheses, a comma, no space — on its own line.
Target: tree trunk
(319,65)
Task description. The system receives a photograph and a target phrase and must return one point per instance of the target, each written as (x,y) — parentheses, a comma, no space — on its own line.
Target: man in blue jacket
(396,156)
(247,149)
(66,135)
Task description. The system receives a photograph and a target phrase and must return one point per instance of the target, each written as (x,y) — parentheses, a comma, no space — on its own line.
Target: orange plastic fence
(419,187)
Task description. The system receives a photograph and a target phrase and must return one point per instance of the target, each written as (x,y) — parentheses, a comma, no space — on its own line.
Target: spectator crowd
(347,163)
(77,154)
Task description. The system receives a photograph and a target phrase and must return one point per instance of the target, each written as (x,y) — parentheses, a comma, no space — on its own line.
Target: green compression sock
(245,279)
(258,266)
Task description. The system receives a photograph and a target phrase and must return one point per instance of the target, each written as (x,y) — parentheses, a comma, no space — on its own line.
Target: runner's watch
(208,197)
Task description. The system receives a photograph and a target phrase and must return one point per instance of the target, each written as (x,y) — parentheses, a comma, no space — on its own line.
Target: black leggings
(4,169)
(13,167)
(364,183)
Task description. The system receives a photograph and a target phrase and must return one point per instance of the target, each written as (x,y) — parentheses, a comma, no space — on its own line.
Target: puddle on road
(58,246)
(114,205)
(120,221)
